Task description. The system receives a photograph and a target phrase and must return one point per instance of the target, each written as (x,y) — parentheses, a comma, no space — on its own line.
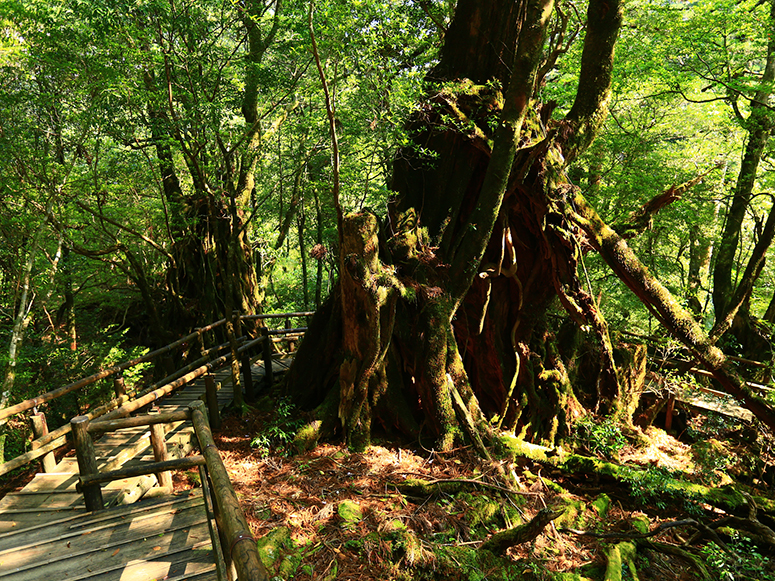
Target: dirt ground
(300,495)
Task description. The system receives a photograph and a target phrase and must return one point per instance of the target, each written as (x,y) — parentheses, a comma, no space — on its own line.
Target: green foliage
(658,486)
(600,436)
(745,562)
(278,432)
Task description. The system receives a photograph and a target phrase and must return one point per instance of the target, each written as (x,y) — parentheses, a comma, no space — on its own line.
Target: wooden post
(48,462)
(669,412)
(290,342)
(87,462)
(200,336)
(159,446)
(211,395)
(247,377)
(118,384)
(268,372)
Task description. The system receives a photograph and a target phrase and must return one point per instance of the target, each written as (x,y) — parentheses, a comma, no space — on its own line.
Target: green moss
(350,513)
(307,437)
(518,448)
(482,509)
(553,486)
(618,556)
(601,504)
(465,564)
(273,546)
(570,577)
(641,523)
(573,517)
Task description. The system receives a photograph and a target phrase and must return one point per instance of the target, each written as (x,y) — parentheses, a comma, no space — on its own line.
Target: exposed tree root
(696,562)
(499,542)
(419,487)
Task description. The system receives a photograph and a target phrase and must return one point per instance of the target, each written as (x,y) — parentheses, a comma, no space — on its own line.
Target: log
(242,551)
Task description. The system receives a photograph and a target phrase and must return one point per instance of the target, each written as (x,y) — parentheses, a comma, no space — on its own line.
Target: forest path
(47,533)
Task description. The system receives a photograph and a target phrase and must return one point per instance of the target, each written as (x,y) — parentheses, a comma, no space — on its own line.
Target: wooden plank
(150,558)
(61,525)
(36,549)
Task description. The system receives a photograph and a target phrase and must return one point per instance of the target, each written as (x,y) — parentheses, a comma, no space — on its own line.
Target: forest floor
(330,513)
(333,514)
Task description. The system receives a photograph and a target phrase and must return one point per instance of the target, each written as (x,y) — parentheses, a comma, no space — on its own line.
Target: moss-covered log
(499,542)
(675,318)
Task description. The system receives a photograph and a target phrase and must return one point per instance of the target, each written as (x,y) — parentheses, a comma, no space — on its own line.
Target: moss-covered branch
(499,542)
(661,303)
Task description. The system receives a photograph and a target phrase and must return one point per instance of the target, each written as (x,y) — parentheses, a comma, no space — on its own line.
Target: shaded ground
(332,514)
(304,505)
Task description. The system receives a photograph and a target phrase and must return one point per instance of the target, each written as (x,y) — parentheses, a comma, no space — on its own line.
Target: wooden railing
(226,520)
(124,402)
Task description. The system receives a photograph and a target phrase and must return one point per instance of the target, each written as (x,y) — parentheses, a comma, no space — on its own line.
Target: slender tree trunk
(69,305)
(760,123)
(301,221)
(21,320)
(321,251)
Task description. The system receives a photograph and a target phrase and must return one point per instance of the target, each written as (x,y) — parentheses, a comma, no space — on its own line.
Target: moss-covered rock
(273,546)
(601,504)
(307,437)
(620,556)
(350,513)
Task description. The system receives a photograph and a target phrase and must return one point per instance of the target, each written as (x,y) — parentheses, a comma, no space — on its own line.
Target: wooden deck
(46,534)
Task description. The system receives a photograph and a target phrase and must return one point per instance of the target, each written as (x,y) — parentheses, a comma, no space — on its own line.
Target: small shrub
(601,437)
(278,433)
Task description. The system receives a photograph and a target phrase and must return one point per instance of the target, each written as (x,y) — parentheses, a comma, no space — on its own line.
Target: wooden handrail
(124,404)
(59,392)
(118,407)
(276,316)
(240,546)
(134,422)
(142,470)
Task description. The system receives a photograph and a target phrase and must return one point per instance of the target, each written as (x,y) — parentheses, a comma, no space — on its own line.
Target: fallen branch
(499,542)
(418,487)
(632,536)
(678,552)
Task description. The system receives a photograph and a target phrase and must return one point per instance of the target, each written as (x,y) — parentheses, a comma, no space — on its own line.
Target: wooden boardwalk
(46,533)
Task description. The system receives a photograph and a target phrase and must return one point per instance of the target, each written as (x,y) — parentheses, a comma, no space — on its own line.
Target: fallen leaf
(157,548)
(115,553)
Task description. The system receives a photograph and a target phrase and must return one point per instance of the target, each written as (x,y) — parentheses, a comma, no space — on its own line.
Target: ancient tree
(440,321)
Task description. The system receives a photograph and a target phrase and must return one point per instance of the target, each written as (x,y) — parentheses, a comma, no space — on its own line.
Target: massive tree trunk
(438,322)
